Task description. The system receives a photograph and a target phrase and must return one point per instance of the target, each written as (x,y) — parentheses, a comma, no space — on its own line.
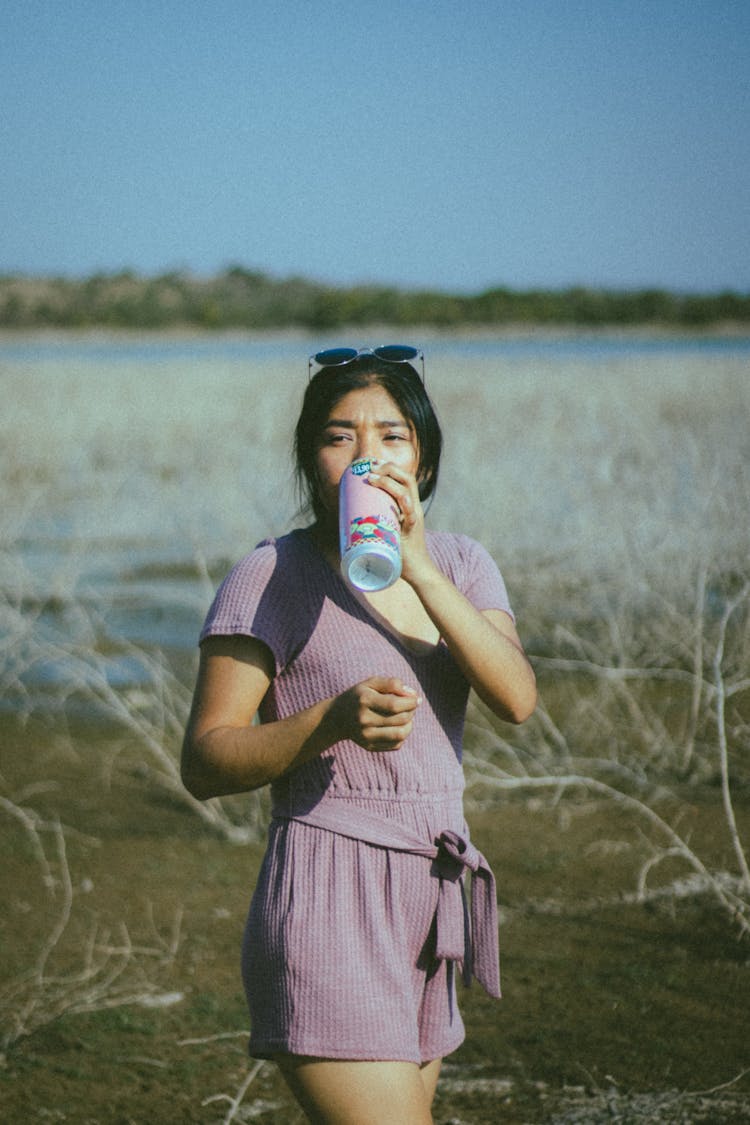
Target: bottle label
(373,529)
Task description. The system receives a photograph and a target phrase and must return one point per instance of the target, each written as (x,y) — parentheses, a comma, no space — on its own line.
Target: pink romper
(360,912)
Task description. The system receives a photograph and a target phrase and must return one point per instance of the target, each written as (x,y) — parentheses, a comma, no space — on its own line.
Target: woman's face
(364,423)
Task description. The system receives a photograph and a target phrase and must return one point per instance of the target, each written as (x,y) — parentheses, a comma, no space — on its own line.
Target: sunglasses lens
(396,353)
(333,357)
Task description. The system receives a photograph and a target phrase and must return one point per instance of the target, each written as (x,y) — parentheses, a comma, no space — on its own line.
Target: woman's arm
(225,752)
(485,645)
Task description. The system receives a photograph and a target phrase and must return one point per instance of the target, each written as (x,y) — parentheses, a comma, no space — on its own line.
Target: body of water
(136,469)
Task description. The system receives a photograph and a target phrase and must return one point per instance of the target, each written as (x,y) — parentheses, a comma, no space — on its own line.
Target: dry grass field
(612,484)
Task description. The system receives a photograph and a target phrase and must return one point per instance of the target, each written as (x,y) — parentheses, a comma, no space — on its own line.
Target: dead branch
(736,905)
(720,691)
(109,973)
(235,1100)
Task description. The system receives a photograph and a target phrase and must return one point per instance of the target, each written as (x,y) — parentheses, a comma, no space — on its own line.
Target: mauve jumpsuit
(360,912)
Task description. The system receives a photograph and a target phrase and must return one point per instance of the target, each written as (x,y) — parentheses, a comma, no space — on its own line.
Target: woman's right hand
(224,751)
(377,714)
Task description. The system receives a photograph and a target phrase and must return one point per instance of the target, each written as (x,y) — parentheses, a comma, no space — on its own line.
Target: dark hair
(330,384)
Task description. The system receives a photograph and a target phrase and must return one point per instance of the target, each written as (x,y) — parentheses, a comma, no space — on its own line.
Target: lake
(137,469)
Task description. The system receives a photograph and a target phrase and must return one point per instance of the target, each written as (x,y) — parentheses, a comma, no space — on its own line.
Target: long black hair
(402,382)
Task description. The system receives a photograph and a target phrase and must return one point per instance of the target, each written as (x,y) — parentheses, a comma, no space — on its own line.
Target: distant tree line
(239,298)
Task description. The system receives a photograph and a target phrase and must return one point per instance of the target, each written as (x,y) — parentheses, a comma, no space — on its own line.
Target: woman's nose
(366,446)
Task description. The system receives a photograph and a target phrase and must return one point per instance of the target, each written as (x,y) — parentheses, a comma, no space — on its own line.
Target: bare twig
(154,717)
(719,687)
(737,906)
(235,1100)
(109,974)
(203,1040)
(697,687)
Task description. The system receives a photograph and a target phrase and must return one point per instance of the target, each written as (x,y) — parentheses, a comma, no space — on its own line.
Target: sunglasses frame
(350,354)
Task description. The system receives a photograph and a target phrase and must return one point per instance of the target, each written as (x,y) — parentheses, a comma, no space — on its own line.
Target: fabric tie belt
(468,936)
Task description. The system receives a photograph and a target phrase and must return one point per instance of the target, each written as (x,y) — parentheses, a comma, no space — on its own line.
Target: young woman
(359,918)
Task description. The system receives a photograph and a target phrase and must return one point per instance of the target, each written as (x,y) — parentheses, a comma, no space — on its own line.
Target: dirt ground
(612,1010)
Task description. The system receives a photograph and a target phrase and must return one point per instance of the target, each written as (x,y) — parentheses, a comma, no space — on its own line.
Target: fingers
(402,486)
(385,709)
(390,686)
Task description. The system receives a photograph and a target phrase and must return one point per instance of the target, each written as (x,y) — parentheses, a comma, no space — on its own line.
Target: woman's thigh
(336,1092)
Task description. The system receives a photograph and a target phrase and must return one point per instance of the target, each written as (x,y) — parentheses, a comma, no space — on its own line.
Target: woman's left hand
(403,488)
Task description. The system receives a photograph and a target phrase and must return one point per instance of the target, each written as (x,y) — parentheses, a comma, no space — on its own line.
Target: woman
(359,919)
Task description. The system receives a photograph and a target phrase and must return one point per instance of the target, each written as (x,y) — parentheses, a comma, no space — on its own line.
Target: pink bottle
(369,530)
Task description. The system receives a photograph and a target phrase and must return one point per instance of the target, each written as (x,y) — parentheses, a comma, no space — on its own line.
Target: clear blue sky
(456,144)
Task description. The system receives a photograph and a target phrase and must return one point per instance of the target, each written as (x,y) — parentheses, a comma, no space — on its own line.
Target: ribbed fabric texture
(339,957)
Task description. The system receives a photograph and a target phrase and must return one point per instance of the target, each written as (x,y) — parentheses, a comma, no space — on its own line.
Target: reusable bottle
(369,530)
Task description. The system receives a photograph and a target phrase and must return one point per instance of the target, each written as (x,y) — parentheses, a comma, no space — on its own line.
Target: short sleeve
(485,584)
(473,571)
(251,602)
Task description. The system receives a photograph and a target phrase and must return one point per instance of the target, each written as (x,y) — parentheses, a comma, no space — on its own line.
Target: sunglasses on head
(390,353)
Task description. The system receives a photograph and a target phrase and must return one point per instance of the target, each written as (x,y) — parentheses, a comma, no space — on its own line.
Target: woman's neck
(326,536)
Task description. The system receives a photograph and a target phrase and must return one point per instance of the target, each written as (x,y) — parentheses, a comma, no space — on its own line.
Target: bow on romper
(360,911)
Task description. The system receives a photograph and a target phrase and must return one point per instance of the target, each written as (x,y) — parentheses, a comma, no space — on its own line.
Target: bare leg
(334,1092)
(430,1072)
